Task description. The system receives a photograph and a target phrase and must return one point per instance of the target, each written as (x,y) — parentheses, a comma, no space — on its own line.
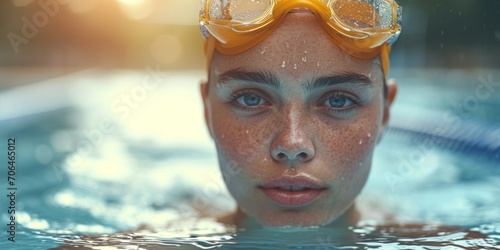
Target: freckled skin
(335,150)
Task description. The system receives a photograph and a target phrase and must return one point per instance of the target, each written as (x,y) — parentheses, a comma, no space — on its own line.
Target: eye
(339,104)
(339,101)
(250,100)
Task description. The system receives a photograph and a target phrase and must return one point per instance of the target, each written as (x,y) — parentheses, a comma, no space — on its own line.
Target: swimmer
(296,102)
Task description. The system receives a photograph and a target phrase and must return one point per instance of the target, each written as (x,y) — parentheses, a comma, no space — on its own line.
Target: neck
(241,220)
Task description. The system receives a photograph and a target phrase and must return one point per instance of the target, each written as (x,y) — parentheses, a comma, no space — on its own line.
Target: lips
(292,192)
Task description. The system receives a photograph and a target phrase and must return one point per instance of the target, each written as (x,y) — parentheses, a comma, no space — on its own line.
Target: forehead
(299,48)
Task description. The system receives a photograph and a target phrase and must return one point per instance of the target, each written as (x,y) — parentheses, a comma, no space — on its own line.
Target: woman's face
(295,121)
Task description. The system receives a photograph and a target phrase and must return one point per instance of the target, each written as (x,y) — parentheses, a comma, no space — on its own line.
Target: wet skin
(318,115)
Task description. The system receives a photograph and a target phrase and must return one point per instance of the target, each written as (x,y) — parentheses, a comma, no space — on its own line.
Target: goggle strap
(209,49)
(384,59)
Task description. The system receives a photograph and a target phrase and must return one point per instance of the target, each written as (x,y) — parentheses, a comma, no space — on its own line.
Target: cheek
(242,143)
(351,143)
(348,148)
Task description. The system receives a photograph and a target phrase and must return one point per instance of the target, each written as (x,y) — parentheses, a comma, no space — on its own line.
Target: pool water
(101,152)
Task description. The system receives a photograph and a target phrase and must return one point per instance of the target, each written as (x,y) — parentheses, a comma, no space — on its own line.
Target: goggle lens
(358,14)
(364,14)
(241,11)
(363,25)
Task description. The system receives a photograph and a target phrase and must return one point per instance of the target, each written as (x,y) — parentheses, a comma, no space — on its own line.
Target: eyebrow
(326,81)
(260,77)
(269,79)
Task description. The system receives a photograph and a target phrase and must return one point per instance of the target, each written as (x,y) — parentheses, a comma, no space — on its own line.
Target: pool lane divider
(471,137)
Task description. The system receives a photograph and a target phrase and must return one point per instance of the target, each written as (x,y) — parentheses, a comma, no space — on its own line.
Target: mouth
(292,192)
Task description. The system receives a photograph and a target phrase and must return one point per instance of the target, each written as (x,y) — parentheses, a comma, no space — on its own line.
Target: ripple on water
(207,234)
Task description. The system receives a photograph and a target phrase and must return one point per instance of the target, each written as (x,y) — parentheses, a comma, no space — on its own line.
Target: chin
(295,219)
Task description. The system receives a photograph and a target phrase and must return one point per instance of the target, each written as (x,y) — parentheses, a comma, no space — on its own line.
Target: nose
(292,143)
(299,154)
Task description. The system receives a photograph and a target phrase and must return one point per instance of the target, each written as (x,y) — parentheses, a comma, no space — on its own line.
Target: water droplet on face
(283,64)
(369,135)
(295,66)
(222,136)
(305,51)
(317,64)
(304,59)
(360,142)
(263,51)
(247,131)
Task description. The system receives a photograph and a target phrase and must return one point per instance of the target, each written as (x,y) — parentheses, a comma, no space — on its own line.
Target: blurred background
(77,34)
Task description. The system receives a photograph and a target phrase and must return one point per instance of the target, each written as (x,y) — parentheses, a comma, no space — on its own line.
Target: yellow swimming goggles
(362,28)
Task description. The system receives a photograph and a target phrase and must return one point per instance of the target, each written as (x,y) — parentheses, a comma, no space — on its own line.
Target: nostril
(281,156)
(302,156)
